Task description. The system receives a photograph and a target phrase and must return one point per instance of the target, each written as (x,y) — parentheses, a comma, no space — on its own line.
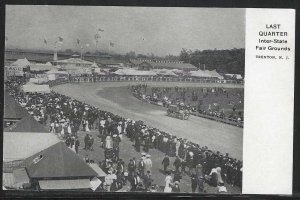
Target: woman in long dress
(87,126)
(168,181)
(108,142)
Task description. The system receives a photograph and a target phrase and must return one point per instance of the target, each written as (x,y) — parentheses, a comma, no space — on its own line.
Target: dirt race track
(116,98)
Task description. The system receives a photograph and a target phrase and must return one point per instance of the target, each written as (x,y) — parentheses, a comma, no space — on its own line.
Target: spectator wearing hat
(147,180)
(134,182)
(194,182)
(86,141)
(141,166)
(148,163)
(176,188)
(166,163)
(137,143)
(131,168)
(177,164)
(177,176)
(77,144)
(108,142)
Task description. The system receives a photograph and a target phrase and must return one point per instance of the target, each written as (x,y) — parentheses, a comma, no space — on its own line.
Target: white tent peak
(94,65)
(21,62)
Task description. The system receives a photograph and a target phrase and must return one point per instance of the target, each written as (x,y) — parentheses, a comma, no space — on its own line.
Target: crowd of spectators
(66,116)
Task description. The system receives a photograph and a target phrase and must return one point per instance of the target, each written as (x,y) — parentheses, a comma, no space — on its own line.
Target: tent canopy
(165,72)
(13,110)
(134,72)
(237,76)
(206,74)
(97,169)
(21,145)
(63,161)
(21,63)
(55,71)
(27,124)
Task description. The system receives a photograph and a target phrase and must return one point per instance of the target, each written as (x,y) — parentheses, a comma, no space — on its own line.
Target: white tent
(55,74)
(98,71)
(55,71)
(237,76)
(21,63)
(134,72)
(165,72)
(48,63)
(39,80)
(94,65)
(32,88)
(214,74)
(206,74)
(41,67)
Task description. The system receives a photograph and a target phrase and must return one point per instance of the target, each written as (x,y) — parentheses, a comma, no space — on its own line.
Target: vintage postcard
(145,99)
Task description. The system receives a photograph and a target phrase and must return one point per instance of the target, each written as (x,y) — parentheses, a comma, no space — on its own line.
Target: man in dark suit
(166,163)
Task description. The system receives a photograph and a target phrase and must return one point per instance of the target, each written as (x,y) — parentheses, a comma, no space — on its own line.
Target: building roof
(58,161)
(170,65)
(136,62)
(21,145)
(41,67)
(27,124)
(73,61)
(65,184)
(13,110)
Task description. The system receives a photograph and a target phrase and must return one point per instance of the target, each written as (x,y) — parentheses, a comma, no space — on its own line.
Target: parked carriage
(177,112)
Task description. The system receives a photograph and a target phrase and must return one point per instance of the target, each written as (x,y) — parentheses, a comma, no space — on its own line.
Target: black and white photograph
(123,99)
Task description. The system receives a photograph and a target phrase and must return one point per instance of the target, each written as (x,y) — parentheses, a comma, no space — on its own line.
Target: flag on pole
(78,41)
(60,39)
(101,30)
(97,36)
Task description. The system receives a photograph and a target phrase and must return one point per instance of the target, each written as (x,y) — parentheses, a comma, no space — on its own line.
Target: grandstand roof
(57,161)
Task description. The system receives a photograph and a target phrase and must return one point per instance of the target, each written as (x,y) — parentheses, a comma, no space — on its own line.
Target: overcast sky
(161,31)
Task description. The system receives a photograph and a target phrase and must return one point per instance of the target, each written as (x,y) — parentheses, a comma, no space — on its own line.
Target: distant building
(149,64)
(73,61)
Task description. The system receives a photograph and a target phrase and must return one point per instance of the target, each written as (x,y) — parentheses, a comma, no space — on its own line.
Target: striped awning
(65,184)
